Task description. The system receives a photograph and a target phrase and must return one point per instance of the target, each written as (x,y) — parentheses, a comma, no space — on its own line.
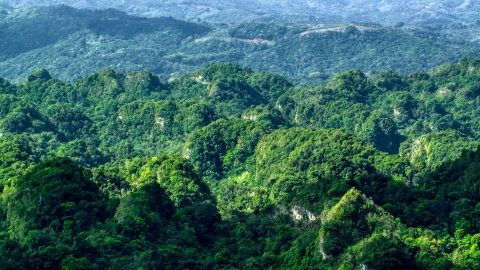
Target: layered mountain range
(387,12)
(127,142)
(73,43)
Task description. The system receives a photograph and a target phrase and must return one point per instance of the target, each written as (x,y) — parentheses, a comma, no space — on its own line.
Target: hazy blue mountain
(73,43)
(384,11)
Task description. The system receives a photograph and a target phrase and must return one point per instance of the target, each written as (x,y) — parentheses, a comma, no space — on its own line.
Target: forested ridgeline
(226,11)
(72,44)
(226,167)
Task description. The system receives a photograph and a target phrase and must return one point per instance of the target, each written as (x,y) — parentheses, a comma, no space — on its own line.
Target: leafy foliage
(226,167)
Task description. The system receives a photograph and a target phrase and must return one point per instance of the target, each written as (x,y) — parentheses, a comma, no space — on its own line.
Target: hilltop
(227,167)
(388,12)
(305,53)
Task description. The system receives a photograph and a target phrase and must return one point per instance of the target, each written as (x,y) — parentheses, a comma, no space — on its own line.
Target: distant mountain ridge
(388,12)
(73,43)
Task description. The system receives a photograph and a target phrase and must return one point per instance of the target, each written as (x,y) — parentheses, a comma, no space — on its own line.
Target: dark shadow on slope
(35,28)
(443,200)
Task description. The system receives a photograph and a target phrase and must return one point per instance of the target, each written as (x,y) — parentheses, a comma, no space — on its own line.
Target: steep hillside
(227,167)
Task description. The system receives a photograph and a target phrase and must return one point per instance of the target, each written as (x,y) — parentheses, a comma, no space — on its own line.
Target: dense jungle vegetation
(72,44)
(230,168)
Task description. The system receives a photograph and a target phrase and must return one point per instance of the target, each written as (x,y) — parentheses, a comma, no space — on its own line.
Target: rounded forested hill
(227,167)
(72,44)
(110,114)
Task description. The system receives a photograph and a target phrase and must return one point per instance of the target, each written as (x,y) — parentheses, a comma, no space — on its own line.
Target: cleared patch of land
(230,39)
(335,29)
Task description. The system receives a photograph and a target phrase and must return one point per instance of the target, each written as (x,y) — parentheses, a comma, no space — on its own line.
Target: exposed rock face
(160,121)
(297,213)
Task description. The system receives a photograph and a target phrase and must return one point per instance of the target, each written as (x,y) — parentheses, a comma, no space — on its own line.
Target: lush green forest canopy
(72,44)
(227,167)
